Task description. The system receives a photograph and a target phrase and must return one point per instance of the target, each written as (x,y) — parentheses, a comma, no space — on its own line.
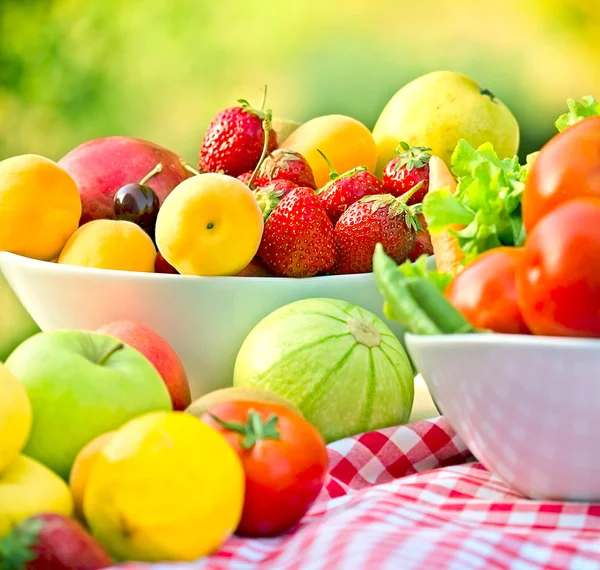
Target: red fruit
(245,178)
(269,196)
(298,236)
(410,168)
(286,164)
(161,265)
(256,268)
(423,244)
(51,542)
(234,140)
(374,219)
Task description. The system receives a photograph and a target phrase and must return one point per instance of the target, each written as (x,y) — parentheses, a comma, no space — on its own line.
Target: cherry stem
(110,352)
(333,173)
(266,124)
(404,197)
(158,168)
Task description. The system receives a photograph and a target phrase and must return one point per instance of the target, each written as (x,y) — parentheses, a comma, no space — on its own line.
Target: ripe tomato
(558,277)
(284,458)
(567,167)
(485,292)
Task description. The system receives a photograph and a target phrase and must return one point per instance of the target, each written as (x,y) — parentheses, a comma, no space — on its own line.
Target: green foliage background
(73,70)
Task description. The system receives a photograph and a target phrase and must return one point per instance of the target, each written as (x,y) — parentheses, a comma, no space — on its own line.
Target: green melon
(339,364)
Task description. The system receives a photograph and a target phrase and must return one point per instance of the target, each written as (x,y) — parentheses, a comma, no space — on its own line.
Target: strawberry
(383,219)
(298,236)
(345,189)
(410,167)
(422,241)
(286,164)
(51,542)
(270,195)
(235,138)
(245,177)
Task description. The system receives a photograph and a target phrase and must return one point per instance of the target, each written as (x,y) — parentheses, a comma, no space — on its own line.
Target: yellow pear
(27,488)
(15,417)
(438,109)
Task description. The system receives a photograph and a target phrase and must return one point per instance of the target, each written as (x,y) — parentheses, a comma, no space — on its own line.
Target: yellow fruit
(28,488)
(167,487)
(209,225)
(284,127)
(40,206)
(346,142)
(15,417)
(110,244)
(82,467)
(438,109)
(237,394)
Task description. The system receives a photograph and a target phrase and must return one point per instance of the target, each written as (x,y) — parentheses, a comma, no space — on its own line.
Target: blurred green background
(71,71)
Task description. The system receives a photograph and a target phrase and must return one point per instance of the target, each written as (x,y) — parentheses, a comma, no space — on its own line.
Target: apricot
(110,244)
(346,142)
(210,224)
(39,206)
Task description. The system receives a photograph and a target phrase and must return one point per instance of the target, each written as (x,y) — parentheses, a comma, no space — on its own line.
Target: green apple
(16,324)
(82,384)
(438,109)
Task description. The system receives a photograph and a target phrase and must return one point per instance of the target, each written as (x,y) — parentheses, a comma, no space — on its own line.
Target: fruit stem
(188,167)
(158,168)
(332,174)
(404,197)
(109,353)
(266,125)
(264,99)
(255,429)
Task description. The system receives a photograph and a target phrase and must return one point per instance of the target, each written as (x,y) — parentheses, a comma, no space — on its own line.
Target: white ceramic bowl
(205,319)
(527,407)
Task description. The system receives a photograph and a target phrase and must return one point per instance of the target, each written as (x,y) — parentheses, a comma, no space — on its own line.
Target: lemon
(166,487)
(15,417)
(27,488)
(40,206)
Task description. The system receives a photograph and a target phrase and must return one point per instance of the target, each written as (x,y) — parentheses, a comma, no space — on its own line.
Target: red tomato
(284,458)
(558,277)
(567,167)
(485,291)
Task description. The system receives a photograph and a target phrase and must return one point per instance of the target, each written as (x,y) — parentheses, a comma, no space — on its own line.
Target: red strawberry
(51,542)
(234,140)
(270,195)
(345,189)
(408,169)
(245,178)
(298,236)
(286,164)
(422,241)
(381,219)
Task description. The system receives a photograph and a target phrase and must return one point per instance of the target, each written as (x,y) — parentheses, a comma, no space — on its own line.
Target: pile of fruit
(268,198)
(517,246)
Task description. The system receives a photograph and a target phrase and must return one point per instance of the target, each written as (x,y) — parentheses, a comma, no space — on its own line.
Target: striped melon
(338,363)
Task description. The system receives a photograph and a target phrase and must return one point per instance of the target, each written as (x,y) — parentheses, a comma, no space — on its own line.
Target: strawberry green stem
(255,429)
(158,168)
(332,172)
(264,99)
(17,549)
(266,124)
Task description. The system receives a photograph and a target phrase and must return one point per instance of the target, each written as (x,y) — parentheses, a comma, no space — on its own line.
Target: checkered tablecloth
(412,497)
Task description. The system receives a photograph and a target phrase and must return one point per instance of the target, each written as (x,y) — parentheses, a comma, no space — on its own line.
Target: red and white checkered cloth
(412,497)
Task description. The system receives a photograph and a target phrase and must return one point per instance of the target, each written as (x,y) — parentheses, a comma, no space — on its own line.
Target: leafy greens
(587,107)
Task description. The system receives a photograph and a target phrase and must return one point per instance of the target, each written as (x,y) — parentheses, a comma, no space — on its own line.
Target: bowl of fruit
(274,212)
(506,330)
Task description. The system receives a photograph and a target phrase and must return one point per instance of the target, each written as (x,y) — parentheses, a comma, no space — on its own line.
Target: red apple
(159,352)
(101,166)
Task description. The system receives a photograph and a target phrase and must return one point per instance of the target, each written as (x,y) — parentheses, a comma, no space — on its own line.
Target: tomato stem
(255,429)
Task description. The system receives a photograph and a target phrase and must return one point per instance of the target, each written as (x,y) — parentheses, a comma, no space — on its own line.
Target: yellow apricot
(346,142)
(210,224)
(110,244)
(40,206)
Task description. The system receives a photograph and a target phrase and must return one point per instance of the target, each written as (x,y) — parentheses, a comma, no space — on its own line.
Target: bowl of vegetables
(506,331)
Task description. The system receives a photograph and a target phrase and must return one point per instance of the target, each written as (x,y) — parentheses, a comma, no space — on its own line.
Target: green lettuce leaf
(420,268)
(487,200)
(587,107)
